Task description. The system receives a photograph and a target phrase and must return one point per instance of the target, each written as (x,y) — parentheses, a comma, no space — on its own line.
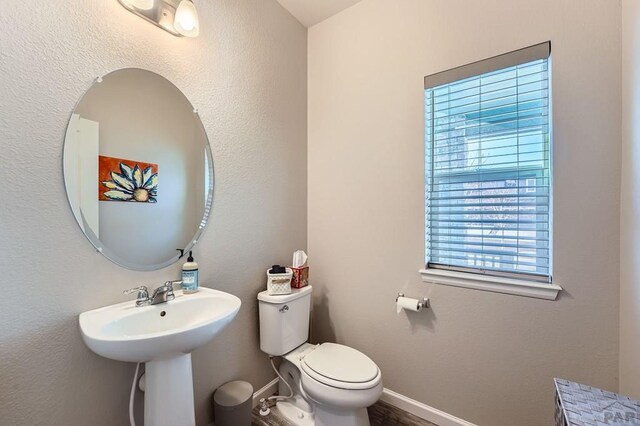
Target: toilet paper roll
(408,304)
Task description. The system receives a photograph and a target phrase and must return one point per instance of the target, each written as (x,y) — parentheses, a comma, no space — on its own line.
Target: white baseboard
(421,410)
(390,397)
(264,392)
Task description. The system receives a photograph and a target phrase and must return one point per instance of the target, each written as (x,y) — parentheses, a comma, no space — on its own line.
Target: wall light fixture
(179,17)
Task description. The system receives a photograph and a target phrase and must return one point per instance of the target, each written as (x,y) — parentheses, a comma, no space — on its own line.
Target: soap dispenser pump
(190,275)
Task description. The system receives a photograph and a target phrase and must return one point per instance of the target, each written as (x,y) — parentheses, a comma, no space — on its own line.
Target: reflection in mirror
(138,169)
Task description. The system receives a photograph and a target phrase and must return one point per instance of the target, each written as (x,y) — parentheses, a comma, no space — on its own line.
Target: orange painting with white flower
(127,180)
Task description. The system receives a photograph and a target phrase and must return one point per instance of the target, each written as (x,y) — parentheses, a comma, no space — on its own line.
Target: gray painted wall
(485,357)
(246,73)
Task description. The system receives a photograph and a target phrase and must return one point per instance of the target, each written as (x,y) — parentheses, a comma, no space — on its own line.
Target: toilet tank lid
(296,293)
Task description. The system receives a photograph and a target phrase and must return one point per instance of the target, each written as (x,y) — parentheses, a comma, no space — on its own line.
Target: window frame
(516,283)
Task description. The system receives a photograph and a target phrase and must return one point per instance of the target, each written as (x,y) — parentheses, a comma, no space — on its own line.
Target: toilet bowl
(332,384)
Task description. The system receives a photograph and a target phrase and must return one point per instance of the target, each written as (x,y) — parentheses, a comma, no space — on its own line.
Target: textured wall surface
(246,74)
(485,357)
(630,206)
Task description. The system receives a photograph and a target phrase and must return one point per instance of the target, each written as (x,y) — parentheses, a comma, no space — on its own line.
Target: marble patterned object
(582,405)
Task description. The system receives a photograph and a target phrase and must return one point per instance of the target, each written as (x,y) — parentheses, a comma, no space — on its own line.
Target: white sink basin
(125,332)
(163,337)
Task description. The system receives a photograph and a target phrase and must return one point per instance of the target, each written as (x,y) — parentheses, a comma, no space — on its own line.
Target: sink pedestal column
(168,397)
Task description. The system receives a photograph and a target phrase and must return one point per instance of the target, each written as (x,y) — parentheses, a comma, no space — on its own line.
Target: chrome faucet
(162,294)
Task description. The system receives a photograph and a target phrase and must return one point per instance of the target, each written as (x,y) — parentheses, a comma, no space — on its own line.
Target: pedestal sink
(162,336)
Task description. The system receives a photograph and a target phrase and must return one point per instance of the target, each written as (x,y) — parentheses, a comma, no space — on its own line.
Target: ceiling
(310,12)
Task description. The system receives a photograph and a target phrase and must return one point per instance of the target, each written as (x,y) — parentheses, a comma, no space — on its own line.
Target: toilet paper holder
(423,302)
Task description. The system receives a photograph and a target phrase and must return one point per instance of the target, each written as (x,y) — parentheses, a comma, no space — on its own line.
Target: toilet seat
(341,367)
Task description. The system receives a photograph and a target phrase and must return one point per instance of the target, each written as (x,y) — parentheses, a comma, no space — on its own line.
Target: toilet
(332,384)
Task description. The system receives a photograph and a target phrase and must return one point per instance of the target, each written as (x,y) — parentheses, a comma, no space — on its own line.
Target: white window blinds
(488,166)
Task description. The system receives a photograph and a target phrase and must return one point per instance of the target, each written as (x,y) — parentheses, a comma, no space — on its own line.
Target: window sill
(489,283)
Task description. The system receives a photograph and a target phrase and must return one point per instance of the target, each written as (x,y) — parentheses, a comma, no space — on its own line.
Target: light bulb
(140,4)
(186,21)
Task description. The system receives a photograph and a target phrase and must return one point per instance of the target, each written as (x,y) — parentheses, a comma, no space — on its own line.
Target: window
(488,167)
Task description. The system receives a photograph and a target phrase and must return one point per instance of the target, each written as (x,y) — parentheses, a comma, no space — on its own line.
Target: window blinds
(488,166)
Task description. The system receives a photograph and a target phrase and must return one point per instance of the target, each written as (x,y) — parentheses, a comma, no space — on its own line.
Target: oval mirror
(138,169)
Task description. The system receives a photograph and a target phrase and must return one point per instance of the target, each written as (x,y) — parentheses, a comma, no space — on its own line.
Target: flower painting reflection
(127,180)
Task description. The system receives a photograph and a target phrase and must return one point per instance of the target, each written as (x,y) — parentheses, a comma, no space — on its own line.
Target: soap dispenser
(190,275)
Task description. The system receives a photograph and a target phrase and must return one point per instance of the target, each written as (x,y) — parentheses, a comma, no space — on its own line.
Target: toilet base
(322,416)
(295,415)
(302,410)
(326,416)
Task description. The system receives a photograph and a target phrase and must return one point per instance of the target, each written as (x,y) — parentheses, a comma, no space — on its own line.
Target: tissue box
(300,277)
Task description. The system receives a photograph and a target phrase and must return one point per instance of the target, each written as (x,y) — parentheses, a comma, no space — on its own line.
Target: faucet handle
(143,294)
(169,287)
(141,289)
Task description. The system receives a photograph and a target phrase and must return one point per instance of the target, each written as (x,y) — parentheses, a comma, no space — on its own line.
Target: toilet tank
(284,320)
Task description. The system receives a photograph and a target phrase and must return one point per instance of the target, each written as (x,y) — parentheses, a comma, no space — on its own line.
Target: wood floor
(380,414)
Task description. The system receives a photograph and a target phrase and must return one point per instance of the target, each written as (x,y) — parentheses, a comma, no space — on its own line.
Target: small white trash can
(232,404)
